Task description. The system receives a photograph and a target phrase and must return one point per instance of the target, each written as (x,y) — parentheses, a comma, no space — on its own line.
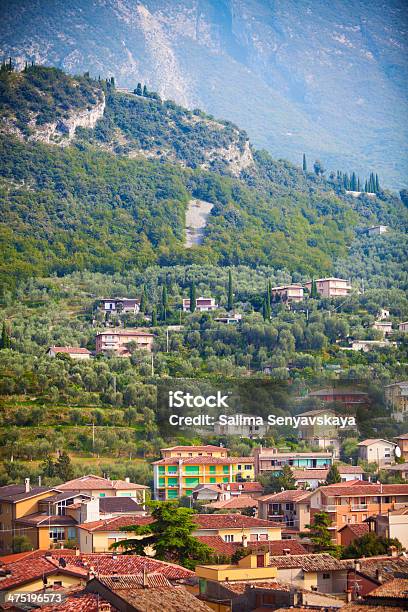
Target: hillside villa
(203,304)
(120,305)
(376,450)
(287,293)
(118,341)
(75,352)
(331,287)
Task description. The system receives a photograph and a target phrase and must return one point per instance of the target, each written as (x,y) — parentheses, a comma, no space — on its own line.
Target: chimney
(27,485)
(393,551)
(127,479)
(145,580)
(77,552)
(357,565)
(378,575)
(244,541)
(349,595)
(39,481)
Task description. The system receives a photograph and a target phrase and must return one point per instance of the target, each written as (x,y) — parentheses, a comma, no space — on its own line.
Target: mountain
(325,78)
(96,179)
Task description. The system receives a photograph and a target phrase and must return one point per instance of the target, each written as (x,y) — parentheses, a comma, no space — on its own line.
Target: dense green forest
(95,206)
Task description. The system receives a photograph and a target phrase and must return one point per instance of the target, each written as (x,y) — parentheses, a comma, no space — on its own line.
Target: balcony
(329,508)
(357,507)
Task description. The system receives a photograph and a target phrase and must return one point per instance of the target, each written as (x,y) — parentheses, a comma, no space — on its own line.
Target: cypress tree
(230,304)
(377,184)
(193,297)
(269,296)
(304,164)
(143,300)
(358,184)
(145,92)
(165,302)
(112,82)
(154,316)
(5,337)
(139,90)
(313,290)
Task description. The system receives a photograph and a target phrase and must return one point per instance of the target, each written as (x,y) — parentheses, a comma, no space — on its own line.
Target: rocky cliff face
(62,132)
(327,79)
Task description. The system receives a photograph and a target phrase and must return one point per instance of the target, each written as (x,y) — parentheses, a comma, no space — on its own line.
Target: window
(72,533)
(240,467)
(57,533)
(212,469)
(225,469)
(212,480)
(57,583)
(161,482)
(225,479)
(289,506)
(326,576)
(229,537)
(263,537)
(102,494)
(161,469)
(248,467)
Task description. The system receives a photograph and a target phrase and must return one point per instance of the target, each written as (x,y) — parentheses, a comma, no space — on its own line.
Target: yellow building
(184,468)
(252,567)
(33,574)
(98,536)
(16,502)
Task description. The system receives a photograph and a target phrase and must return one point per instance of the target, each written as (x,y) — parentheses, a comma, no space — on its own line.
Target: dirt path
(196,220)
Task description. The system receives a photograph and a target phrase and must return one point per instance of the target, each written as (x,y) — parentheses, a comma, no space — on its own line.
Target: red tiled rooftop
(29,569)
(92,482)
(70,349)
(205,448)
(363,489)
(393,589)
(116,523)
(235,503)
(218,545)
(80,602)
(230,521)
(290,495)
(357,529)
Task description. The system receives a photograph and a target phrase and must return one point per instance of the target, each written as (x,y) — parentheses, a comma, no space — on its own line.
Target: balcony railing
(329,508)
(359,506)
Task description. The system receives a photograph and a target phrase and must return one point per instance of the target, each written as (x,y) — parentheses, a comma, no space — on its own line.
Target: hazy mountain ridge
(327,79)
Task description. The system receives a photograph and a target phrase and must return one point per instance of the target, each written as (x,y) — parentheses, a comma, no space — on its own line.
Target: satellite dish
(397,451)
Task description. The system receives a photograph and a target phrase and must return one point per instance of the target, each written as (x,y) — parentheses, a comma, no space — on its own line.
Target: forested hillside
(115,198)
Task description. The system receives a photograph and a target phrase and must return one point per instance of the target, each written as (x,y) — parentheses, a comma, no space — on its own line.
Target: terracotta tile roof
(70,349)
(334,392)
(387,566)
(290,495)
(105,564)
(204,460)
(245,487)
(135,581)
(40,519)
(218,545)
(310,474)
(14,493)
(357,607)
(356,529)
(115,523)
(235,503)
(278,547)
(350,469)
(28,569)
(230,521)
(311,563)
(176,599)
(370,441)
(91,481)
(402,436)
(81,602)
(393,589)
(363,489)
